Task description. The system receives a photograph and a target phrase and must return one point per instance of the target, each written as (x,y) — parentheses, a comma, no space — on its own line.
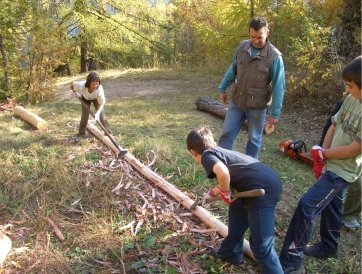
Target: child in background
(341,154)
(240,172)
(91,92)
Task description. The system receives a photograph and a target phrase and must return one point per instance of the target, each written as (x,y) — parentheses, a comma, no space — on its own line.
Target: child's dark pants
(260,220)
(85,115)
(325,197)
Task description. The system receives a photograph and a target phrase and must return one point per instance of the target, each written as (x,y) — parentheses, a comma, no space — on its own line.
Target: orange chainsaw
(296,150)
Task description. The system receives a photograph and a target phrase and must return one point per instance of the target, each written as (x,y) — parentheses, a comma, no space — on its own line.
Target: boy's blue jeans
(325,197)
(261,224)
(233,122)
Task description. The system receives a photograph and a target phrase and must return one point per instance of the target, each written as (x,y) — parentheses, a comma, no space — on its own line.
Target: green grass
(44,174)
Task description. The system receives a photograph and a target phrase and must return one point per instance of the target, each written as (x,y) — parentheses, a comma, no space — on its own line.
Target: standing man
(257,76)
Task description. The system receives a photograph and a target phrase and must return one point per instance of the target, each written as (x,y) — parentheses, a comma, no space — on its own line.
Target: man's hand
(272,121)
(318,154)
(96,116)
(223,97)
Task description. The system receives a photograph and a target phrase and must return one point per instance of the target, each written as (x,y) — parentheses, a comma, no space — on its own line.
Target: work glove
(226,196)
(96,116)
(78,95)
(318,154)
(319,158)
(317,169)
(209,197)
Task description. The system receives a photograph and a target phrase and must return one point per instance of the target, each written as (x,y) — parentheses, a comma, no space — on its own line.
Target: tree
(349,30)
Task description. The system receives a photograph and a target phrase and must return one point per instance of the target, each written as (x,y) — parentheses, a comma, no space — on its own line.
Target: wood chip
(129,225)
(138,226)
(118,187)
(57,231)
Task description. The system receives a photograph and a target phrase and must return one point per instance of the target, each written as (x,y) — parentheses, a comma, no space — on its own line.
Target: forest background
(43,38)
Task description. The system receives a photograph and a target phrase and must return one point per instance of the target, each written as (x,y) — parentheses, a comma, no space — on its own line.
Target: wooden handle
(249,194)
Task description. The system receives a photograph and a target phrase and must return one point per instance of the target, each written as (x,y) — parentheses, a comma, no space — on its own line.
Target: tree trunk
(252,9)
(83,57)
(5,63)
(212,106)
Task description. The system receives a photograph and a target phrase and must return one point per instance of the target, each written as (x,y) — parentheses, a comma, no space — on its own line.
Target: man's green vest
(252,88)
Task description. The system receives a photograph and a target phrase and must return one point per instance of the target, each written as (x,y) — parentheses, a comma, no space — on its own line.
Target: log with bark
(204,215)
(31,118)
(212,106)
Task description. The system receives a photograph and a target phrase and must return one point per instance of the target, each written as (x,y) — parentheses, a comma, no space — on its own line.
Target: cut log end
(31,118)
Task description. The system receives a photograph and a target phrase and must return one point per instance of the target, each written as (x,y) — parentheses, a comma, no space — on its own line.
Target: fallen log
(100,135)
(204,215)
(31,118)
(215,107)
(212,106)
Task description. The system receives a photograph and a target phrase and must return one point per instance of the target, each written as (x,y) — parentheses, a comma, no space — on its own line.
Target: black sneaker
(81,136)
(215,253)
(294,269)
(318,251)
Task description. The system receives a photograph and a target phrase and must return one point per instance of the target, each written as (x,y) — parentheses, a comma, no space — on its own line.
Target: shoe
(317,251)
(215,253)
(350,223)
(294,269)
(81,136)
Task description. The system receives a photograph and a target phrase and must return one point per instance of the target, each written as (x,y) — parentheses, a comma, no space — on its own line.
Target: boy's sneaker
(318,251)
(350,223)
(294,269)
(215,253)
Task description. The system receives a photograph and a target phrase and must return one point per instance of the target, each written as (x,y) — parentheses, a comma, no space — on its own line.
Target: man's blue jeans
(233,122)
(325,197)
(261,223)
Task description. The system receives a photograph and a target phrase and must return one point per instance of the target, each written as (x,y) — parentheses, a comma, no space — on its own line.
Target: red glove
(317,169)
(226,196)
(318,154)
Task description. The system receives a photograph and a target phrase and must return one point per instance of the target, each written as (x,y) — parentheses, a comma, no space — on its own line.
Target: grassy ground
(45,175)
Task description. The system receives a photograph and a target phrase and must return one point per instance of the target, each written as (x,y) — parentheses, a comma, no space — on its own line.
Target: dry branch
(31,118)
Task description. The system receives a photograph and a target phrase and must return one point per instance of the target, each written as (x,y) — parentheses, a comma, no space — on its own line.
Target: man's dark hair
(92,77)
(352,71)
(258,22)
(200,139)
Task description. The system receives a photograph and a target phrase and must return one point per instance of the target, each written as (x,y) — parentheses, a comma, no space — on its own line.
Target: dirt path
(304,121)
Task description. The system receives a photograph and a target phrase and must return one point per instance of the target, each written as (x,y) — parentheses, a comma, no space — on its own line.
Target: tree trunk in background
(84,57)
(5,63)
(350,25)
(252,13)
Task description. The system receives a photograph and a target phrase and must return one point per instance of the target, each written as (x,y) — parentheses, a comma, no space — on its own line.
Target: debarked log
(31,118)
(204,215)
